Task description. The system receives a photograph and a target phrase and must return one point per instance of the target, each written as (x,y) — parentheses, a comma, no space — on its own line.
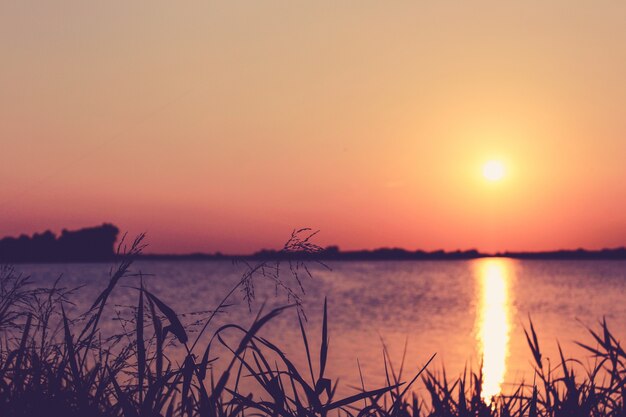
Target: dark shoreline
(97,244)
(401,255)
(618,254)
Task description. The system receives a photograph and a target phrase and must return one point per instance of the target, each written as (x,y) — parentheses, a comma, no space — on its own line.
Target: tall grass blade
(141,348)
(175,326)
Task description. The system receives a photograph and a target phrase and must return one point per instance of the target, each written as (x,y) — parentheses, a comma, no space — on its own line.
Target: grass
(55,365)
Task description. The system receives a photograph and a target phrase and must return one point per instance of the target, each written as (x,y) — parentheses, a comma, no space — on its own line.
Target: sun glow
(493,324)
(493,170)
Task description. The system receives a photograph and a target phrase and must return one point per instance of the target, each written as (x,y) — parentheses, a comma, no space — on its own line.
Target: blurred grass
(55,365)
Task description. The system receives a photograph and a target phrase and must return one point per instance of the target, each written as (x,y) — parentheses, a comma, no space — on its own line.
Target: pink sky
(223,126)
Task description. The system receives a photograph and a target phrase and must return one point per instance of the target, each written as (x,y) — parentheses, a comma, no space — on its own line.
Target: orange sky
(223,125)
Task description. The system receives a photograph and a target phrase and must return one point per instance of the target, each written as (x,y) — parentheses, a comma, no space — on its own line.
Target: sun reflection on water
(493,322)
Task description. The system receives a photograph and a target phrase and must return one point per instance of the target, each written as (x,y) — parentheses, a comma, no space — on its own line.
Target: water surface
(470,313)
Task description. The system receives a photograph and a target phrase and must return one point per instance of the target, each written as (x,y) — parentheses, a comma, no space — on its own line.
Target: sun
(493,170)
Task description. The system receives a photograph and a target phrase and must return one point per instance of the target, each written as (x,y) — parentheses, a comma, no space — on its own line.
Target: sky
(222,126)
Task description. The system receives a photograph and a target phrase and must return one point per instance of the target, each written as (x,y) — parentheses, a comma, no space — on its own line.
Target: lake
(459,310)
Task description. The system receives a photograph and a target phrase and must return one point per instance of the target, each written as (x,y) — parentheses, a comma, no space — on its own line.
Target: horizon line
(334,252)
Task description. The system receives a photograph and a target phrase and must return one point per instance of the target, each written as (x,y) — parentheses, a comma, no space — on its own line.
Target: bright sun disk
(493,170)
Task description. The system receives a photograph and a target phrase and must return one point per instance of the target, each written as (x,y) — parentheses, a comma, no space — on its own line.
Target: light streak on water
(494,322)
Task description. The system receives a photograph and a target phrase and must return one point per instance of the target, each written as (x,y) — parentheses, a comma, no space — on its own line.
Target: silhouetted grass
(54,365)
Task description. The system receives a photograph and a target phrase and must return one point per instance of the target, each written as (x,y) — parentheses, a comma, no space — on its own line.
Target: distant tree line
(85,245)
(97,244)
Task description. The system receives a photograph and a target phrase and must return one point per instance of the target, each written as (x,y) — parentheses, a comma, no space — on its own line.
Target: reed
(55,365)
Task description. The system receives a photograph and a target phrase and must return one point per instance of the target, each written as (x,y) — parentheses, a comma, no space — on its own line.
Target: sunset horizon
(124,236)
(427,126)
(313,209)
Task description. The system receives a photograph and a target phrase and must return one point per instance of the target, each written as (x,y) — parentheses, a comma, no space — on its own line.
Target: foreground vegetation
(55,365)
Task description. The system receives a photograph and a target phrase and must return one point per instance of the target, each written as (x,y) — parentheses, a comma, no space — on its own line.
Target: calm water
(457,309)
